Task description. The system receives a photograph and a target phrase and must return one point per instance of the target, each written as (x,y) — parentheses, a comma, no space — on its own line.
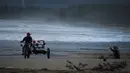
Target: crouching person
(116,52)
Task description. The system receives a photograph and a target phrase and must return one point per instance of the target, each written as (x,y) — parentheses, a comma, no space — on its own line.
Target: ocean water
(13,48)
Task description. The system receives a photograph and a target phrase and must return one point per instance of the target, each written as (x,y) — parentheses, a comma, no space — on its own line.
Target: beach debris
(45,69)
(14,72)
(80,67)
(105,66)
(102,57)
(111,66)
(69,62)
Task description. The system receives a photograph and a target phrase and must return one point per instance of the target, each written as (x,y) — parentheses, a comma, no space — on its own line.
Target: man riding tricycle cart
(33,47)
(37,47)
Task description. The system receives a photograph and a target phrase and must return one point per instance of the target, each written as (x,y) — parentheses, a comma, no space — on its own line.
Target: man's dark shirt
(27,39)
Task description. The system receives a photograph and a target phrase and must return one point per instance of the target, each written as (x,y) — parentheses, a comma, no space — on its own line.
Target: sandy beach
(40,64)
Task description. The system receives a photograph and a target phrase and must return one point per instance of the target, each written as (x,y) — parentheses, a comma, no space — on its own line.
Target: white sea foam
(16,29)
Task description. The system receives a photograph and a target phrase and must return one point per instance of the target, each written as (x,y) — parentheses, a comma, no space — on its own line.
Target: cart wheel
(48,53)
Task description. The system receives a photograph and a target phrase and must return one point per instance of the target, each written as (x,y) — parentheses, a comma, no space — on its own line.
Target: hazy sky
(60,3)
